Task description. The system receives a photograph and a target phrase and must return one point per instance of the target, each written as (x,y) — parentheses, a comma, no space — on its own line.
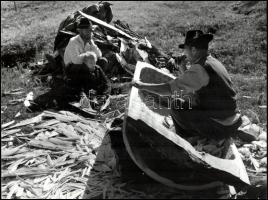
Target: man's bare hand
(171,61)
(89,55)
(137,84)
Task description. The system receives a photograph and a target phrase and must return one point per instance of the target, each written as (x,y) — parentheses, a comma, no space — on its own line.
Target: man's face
(85,33)
(190,52)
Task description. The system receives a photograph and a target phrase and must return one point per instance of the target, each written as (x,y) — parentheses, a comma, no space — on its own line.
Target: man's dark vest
(217,99)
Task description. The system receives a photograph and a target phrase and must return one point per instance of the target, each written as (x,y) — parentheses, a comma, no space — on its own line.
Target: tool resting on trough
(164,155)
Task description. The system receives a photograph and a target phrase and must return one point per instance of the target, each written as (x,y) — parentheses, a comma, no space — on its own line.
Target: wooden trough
(183,167)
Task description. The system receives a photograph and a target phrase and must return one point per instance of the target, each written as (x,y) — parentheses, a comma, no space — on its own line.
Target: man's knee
(177,116)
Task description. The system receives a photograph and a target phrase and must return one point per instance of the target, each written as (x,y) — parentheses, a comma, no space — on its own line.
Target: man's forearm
(96,49)
(162,89)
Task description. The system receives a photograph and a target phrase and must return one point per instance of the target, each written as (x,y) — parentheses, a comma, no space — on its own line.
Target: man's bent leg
(219,131)
(103,63)
(182,119)
(77,75)
(103,86)
(209,128)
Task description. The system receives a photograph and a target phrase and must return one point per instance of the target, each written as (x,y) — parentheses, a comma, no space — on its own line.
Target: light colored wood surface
(102,23)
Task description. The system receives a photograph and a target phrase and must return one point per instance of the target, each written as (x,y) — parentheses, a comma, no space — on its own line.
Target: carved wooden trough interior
(164,155)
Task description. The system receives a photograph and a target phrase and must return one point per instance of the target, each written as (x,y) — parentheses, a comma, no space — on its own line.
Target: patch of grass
(15,78)
(253,87)
(240,40)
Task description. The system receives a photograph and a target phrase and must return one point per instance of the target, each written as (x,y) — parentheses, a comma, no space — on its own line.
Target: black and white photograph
(133,99)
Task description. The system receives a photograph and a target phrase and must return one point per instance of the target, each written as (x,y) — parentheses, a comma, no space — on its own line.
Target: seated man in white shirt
(213,111)
(81,59)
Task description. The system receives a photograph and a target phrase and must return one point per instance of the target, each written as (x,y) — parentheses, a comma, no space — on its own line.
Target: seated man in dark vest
(81,57)
(211,111)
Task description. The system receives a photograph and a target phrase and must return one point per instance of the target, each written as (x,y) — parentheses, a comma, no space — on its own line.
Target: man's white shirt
(76,47)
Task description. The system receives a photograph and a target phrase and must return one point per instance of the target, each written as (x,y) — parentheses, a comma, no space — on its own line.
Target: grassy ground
(240,39)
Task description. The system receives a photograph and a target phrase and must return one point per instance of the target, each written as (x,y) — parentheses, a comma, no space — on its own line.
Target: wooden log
(108,26)
(141,119)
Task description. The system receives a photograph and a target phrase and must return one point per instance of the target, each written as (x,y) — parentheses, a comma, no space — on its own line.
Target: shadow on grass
(57,97)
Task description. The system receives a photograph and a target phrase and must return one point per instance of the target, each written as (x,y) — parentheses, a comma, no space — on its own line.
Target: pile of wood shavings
(56,159)
(61,155)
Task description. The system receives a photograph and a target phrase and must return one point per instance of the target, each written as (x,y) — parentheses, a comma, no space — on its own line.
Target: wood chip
(254,162)
(49,161)
(47,123)
(67,133)
(58,141)
(15,101)
(76,194)
(7,124)
(62,158)
(13,167)
(33,120)
(26,172)
(12,190)
(48,185)
(107,103)
(11,151)
(9,132)
(28,155)
(13,93)
(19,192)
(18,114)
(47,145)
(62,118)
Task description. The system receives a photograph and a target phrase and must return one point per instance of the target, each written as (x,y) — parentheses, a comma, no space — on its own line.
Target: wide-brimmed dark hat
(84,23)
(196,38)
(106,3)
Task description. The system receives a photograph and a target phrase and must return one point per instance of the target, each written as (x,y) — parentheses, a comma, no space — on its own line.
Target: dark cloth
(218,98)
(80,77)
